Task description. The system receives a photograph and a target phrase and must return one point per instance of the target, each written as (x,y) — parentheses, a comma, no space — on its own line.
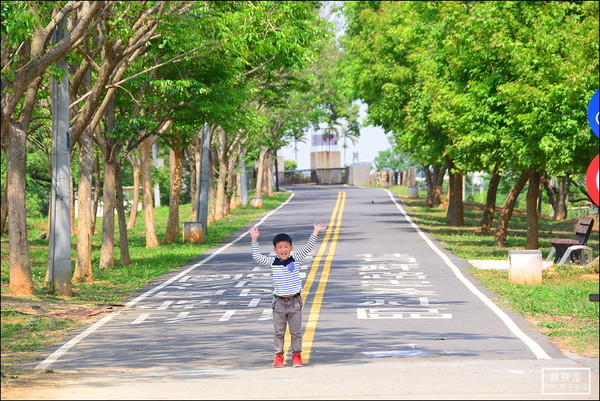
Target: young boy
(287,285)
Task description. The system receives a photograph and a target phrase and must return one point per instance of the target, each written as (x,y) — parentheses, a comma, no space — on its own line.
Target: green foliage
(289,165)
(483,84)
(391,160)
(20,19)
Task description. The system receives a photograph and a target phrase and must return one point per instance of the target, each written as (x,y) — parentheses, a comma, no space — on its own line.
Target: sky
(372,140)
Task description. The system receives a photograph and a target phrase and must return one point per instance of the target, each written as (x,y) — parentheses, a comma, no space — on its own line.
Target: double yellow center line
(330,240)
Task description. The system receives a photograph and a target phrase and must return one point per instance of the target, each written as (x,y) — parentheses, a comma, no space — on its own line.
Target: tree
(476,86)
(27,52)
(123,40)
(391,64)
(290,165)
(391,161)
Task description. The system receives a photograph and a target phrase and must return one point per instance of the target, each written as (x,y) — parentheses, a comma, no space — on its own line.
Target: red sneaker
(296,360)
(278,362)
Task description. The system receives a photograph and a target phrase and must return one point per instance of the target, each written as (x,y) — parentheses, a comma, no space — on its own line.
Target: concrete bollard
(525,266)
(413,192)
(193,231)
(256,202)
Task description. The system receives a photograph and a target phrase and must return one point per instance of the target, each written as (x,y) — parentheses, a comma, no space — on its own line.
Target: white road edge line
(512,326)
(65,347)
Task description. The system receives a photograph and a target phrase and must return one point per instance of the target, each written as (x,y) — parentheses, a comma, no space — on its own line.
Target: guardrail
(319,176)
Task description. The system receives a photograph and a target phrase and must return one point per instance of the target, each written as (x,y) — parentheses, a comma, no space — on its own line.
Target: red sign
(592,180)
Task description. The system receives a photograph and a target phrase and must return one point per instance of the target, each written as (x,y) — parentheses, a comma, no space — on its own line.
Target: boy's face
(283,250)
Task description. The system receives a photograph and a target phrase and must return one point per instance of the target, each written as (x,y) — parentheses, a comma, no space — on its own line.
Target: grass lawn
(559,307)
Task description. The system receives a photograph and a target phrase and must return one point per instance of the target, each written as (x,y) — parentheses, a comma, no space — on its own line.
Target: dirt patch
(547,324)
(54,309)
(31,386)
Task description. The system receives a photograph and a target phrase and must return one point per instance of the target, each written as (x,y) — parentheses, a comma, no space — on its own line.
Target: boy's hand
(318,227)
(254,233)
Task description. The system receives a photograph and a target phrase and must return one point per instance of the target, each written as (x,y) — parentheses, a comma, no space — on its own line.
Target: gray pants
(288,311)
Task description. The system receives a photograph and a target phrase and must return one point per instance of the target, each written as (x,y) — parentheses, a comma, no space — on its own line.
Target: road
(388,314)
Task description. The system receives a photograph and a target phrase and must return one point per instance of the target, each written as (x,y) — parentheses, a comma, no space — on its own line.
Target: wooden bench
(570,250)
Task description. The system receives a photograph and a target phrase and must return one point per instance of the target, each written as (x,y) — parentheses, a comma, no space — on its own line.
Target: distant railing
(319,176)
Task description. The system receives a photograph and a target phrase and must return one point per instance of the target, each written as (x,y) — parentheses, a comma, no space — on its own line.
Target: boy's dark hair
(281,238)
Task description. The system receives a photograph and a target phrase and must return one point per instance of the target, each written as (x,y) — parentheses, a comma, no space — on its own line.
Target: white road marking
(226,316)
(164,305)
(254,302)
(512,326)
(140,318)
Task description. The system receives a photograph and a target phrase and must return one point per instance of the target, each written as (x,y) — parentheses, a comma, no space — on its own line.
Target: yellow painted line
(313,317)
(315,265)
(313,270)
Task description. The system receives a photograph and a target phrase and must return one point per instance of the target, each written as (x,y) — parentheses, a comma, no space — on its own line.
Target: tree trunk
(21,282)
(269,172)
(211,196)
(135,200)
(507,210)
(221,153)
(438,181)
(145,165)
(83,264)
(533,194)
(72,206)
(107,251)
(232,188)
(455,212)
(260,172)
(563,199)
(125,258)
(236,199)
(429,183)
(551,192)
(233,191)
(490,204)
(18,99)
(435,181)
(4,213)
(110,151)
(175,176)
(97,192)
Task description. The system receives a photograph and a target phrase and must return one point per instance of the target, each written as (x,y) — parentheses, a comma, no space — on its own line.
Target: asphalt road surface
(387,310)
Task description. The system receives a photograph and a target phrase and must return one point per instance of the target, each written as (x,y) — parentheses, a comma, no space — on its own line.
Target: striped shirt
(286,274)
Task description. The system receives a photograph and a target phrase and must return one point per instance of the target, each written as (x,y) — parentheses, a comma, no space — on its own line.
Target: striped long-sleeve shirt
(286,274)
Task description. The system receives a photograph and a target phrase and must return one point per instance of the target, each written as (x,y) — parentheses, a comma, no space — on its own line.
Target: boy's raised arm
(317,228)
(254,233)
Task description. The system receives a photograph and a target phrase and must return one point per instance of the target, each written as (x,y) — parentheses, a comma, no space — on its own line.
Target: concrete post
(243,180)
(59,253)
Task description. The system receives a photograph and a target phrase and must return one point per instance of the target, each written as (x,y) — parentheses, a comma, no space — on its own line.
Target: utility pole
(59,254)
(204,177)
